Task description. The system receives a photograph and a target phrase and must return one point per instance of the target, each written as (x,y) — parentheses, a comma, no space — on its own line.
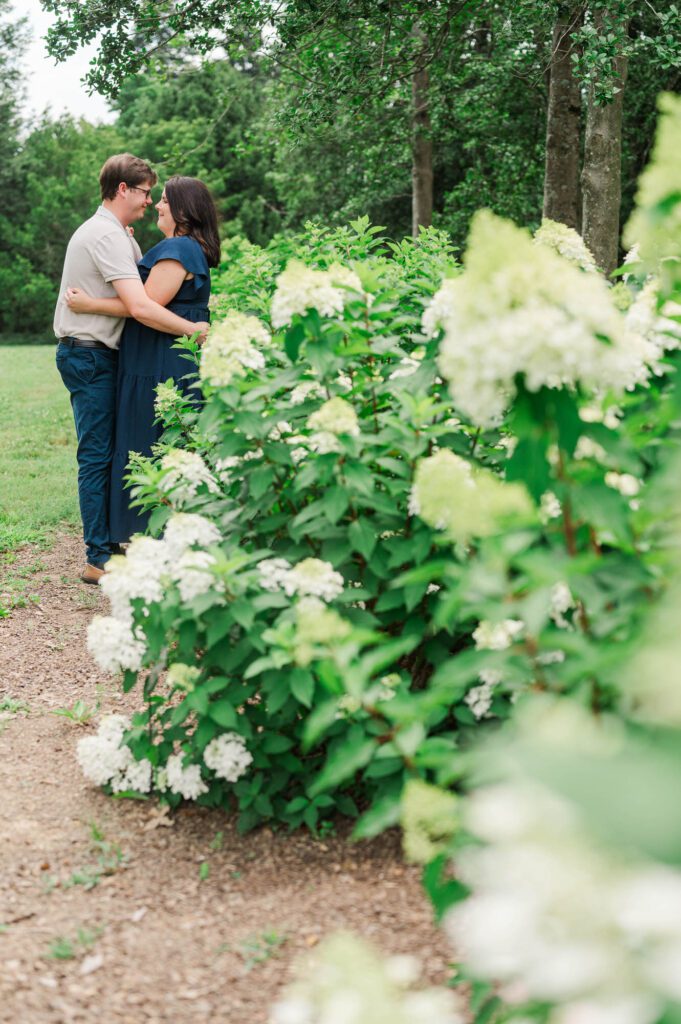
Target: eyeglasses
(136,188)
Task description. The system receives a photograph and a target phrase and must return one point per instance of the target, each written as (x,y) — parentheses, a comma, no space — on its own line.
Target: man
(101,258)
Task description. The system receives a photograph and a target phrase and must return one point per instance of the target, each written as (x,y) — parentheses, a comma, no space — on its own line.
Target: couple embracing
(116,320)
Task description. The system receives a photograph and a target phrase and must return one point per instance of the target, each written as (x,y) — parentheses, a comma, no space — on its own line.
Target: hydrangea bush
(413,494)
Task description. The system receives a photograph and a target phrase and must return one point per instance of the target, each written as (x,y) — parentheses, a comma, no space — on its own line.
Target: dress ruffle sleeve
(186,251)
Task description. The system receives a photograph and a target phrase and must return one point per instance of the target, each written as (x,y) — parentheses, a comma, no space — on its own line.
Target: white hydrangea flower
(562,918)
(628,485)
(561,602)
(224,467)
(182,677)
(227,756)
(520,309)
(308,389)
(192,573)
(137,574)
(229,350)
(348,983)
(185,473)
(315,578)
(280,430)
(114,645)
(484,503)
(168,397)
(332,419)
(567,243)
(298,453)
(106,760)
(437,310)
(136,778)
(549,507)
(407,366)
(300,288)
(497,636)
(587,448)
(479,698)
(273,573)
(186,782)
(185,529)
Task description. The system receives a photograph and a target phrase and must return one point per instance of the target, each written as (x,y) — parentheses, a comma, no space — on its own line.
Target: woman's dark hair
(194,213)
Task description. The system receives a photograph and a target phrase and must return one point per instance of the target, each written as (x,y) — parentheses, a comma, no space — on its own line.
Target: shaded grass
(38,490)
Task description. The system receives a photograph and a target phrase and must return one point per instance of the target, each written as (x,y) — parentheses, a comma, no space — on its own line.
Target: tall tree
(602,169)
(563,122)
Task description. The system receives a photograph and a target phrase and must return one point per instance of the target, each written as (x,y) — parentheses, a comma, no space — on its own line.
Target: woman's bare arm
(162,285)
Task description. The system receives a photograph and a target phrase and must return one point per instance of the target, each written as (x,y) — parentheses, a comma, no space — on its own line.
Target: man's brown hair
(124,167)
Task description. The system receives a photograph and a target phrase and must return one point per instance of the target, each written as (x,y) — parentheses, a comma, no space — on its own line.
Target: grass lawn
(37,447)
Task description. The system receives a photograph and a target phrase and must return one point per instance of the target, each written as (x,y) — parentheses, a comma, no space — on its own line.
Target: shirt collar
(103,212)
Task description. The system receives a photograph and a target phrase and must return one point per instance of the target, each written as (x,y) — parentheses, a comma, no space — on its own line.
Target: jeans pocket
(83,364)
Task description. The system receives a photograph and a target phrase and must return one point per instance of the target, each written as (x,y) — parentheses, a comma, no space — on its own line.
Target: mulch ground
(135,929)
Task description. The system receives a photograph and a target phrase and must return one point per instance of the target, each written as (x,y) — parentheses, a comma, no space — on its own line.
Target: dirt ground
(112,911)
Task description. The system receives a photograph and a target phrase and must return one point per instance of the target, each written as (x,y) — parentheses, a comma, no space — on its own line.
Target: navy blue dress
(147,358)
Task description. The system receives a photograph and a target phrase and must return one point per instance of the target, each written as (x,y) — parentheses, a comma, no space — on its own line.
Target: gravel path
(107,912)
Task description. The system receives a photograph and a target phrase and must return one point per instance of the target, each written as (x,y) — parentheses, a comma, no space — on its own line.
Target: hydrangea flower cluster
(312,578)
(497,636)
(562,602)
(429,816)
(107,761)
(560,918)
(479,698)
(229,350)
(184,473)
(307,389)
(316,626)
(168,397)
(348,982)
(300,288)
(449,496)
(567,243)
(184,781)
(227,756)
(519,308)
(143,574)
(115,645)
(329,422)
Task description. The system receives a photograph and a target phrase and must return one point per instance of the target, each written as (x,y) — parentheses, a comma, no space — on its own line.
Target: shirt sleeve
(114,257)
(184,250)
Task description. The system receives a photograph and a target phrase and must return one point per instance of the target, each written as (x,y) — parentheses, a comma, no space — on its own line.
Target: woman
(176,274)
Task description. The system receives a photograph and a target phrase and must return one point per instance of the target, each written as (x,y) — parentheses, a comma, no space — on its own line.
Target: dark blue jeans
(90,376)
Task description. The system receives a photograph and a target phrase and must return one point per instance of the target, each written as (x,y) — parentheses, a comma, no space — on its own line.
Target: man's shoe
(92,574)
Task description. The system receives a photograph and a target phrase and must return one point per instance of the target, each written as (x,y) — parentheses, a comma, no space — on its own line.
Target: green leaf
(224,714)
(362,534)
(347,757)
(293,340)
(383,814)
(302,686)
(530,465)
(335,503)
(443,891)
(275,743)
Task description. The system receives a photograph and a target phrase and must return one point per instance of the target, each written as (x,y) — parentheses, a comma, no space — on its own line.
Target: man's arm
(142,308)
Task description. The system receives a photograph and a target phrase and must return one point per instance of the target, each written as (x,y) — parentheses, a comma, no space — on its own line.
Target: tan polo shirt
(99,252)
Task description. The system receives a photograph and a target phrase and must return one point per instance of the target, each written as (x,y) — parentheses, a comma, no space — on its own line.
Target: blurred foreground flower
(346,982)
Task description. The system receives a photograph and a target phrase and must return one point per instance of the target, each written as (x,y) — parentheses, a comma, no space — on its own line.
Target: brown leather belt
(83,343)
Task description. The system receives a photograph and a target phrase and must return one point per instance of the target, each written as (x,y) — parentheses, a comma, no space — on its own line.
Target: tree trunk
(602,172)
(422,155)
(561,174)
